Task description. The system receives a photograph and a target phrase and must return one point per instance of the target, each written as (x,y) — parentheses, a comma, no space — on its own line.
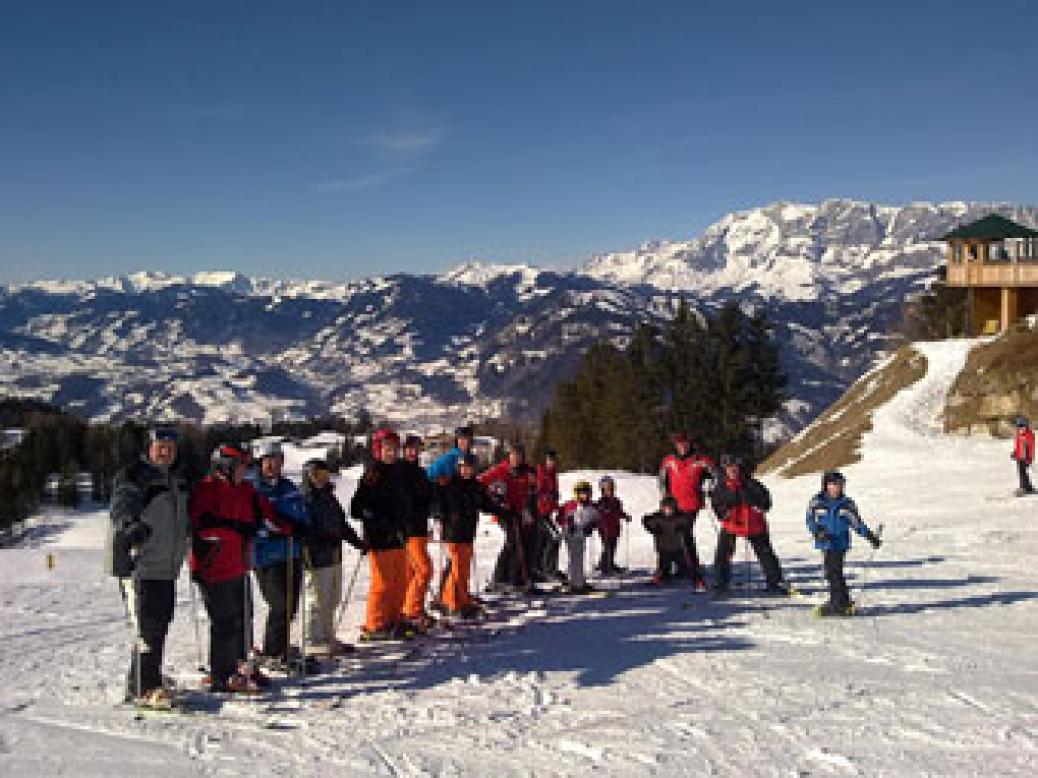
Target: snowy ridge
(646,682)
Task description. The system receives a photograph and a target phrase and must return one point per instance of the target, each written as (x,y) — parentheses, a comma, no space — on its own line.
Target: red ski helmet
(381,436)
(680,436)
(227,457)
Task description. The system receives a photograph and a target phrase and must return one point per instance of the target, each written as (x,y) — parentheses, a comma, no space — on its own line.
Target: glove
(873,539)
(137,534)
(821,535)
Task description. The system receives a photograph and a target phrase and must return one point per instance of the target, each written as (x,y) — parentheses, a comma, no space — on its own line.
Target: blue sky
(338,140)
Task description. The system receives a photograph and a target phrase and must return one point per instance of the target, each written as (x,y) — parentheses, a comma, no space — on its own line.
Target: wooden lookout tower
(997,261)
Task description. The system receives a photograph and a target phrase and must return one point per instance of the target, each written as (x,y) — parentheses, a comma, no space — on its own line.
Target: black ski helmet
(832,477)
(669,502)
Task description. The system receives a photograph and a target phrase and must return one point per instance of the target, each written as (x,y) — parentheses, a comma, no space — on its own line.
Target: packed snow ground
(938,677)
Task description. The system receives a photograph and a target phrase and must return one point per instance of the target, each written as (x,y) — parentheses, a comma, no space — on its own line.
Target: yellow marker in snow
(50,561)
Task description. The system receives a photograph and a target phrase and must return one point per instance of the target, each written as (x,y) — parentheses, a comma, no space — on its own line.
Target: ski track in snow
(936,677)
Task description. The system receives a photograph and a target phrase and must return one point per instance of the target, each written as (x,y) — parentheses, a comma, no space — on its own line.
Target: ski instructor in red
(682,475)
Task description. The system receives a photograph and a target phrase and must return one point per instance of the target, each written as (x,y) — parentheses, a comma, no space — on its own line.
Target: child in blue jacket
(830,517)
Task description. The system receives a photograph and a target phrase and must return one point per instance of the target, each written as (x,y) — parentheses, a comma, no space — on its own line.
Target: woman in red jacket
(226,514)
(740,503)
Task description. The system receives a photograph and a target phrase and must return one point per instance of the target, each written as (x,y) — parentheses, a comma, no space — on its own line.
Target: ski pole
(349,593)
(194,622)
(308,577)
(289,601)
(137,637)
(868,567)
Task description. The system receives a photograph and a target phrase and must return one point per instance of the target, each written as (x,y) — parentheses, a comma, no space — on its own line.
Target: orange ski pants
(419,573)
(387,590)
(456,588)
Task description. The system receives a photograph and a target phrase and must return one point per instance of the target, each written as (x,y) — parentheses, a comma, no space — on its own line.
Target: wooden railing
(993,274)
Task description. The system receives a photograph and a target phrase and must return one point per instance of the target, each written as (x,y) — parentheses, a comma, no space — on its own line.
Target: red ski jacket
(225,517)
(520,485)
(611,514)
(740,505)
(1023,447)
(547,490)
(682,478)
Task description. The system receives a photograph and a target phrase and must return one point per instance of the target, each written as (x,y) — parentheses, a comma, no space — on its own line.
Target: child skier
(578,519)
(611,515)
(457,505)
(740,503)
(669,528)
(830,516)
(1023,455)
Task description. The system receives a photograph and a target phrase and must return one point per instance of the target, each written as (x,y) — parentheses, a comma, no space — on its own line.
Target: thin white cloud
(408,142)
(371,180)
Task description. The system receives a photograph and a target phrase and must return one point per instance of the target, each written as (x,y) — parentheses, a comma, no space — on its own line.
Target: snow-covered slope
(935,678)
(479,340)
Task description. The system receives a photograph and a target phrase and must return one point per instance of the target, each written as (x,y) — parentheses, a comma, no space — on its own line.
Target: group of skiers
(245,517)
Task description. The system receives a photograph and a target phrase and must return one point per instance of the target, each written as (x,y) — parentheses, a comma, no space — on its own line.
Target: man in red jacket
(226,514)
(740,503)
(516,484)
(682,476)
(1023,453)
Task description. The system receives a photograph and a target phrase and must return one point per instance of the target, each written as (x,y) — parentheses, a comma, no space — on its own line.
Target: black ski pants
(550,544)
(607,560)
(226,604)
(513,561)
(696,568)
(762,549)
(282,603)
(151,606)
(1025,477)
(670,564)
(839,596)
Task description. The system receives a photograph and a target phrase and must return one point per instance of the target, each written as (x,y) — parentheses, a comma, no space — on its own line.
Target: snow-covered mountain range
(478,340)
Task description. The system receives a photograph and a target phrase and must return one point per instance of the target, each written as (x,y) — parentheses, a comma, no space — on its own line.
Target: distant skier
(515,482)
(226,514)
(1023,453)
(383,503)
(831,515)
(278,564)
(611,518)
(578,519)
(549,539)
(682,476)
(669,528)
(419,565)
(145,549)
(328,529)
(741,503)
(457,505)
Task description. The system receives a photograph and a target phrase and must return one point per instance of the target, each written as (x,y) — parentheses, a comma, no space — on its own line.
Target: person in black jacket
(383,504)
(419,565)
(669,528)
(457,505)
(323,555)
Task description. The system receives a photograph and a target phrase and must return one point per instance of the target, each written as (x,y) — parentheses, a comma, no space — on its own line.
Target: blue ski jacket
(837,517)
(289,503)
(444,466)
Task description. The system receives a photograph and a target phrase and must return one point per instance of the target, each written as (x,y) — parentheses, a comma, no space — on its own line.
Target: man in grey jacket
(146,546)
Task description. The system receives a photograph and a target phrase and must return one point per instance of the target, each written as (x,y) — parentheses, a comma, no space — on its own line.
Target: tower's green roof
(991,227)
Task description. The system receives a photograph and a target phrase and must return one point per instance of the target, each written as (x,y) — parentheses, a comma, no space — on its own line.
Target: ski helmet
(412,441)
(1021,422)
(606,480)
(550,453)
(383,435)
(227,457)
(680,436)
(464,431)
(832,477)
(581,487)
(270,448)
(669,502)
(732,459)
(313,465)
(167,434)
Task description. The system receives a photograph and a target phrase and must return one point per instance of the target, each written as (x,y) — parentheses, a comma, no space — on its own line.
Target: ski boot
(828,610)
(157,699)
